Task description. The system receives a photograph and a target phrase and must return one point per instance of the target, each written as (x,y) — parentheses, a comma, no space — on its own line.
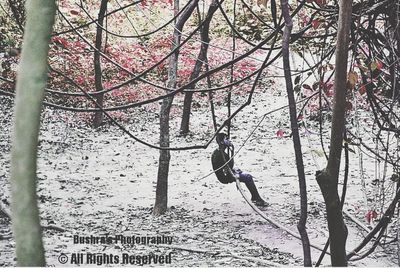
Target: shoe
(260,203)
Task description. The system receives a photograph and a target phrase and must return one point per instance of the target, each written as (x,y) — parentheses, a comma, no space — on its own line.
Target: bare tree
(98,116)
(202,57)
(328,177)
(31,80)
(160,205)
(301,226)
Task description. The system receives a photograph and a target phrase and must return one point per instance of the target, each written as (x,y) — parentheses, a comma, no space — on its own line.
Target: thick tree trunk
(336,225)
(197,67)
(301,226)
(98,116)
(328,178)
(31,81)
(161,202)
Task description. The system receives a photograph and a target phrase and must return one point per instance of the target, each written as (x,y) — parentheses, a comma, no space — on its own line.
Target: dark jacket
(217,162)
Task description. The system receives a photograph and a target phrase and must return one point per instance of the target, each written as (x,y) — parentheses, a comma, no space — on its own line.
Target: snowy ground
(102,182)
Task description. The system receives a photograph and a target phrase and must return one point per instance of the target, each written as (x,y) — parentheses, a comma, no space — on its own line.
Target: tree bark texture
(204,35)
(31,81)
(98,116)
(301,226)
(161,202)
(328,178)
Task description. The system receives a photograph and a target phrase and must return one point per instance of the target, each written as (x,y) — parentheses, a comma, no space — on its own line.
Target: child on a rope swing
(223,174)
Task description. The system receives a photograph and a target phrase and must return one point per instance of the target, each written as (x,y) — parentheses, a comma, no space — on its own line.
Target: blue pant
(243,176)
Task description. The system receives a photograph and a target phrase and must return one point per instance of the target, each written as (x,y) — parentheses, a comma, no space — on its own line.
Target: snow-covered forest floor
(98,182)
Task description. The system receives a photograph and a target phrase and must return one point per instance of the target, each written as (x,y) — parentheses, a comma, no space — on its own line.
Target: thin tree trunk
(395,81)
(98,116)
(394,51)
(31,81)
(301,226)
(204,35)
(161,202)
(328,178)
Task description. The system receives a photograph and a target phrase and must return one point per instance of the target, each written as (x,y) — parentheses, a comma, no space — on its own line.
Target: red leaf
(376,65)
(60,41)
(362,90)
(370,215)
(80,80)
(329,92)
(316,23)
(74,12)
(379,64)
(279,133)
(320,2)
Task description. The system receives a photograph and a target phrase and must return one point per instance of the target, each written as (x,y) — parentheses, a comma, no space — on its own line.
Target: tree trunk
(396,89)
(395,81)
(394,48)
(328,178)
(161,202)
(197,67)
(301,226)
(31,81)
(98,116)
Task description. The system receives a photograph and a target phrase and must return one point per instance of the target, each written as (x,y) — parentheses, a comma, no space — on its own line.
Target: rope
(229,99)
(252,132)
(254,207)
(270,220)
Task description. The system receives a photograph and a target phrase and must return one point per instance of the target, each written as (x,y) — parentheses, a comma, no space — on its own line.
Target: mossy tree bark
(328,178)
(31,81)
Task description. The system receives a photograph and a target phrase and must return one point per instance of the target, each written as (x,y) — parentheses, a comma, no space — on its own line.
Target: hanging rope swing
(223,166)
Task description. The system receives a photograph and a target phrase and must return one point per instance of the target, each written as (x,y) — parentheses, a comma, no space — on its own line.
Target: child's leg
(248,180)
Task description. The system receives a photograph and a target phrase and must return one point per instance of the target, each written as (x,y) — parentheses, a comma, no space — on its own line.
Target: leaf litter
(97,182)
